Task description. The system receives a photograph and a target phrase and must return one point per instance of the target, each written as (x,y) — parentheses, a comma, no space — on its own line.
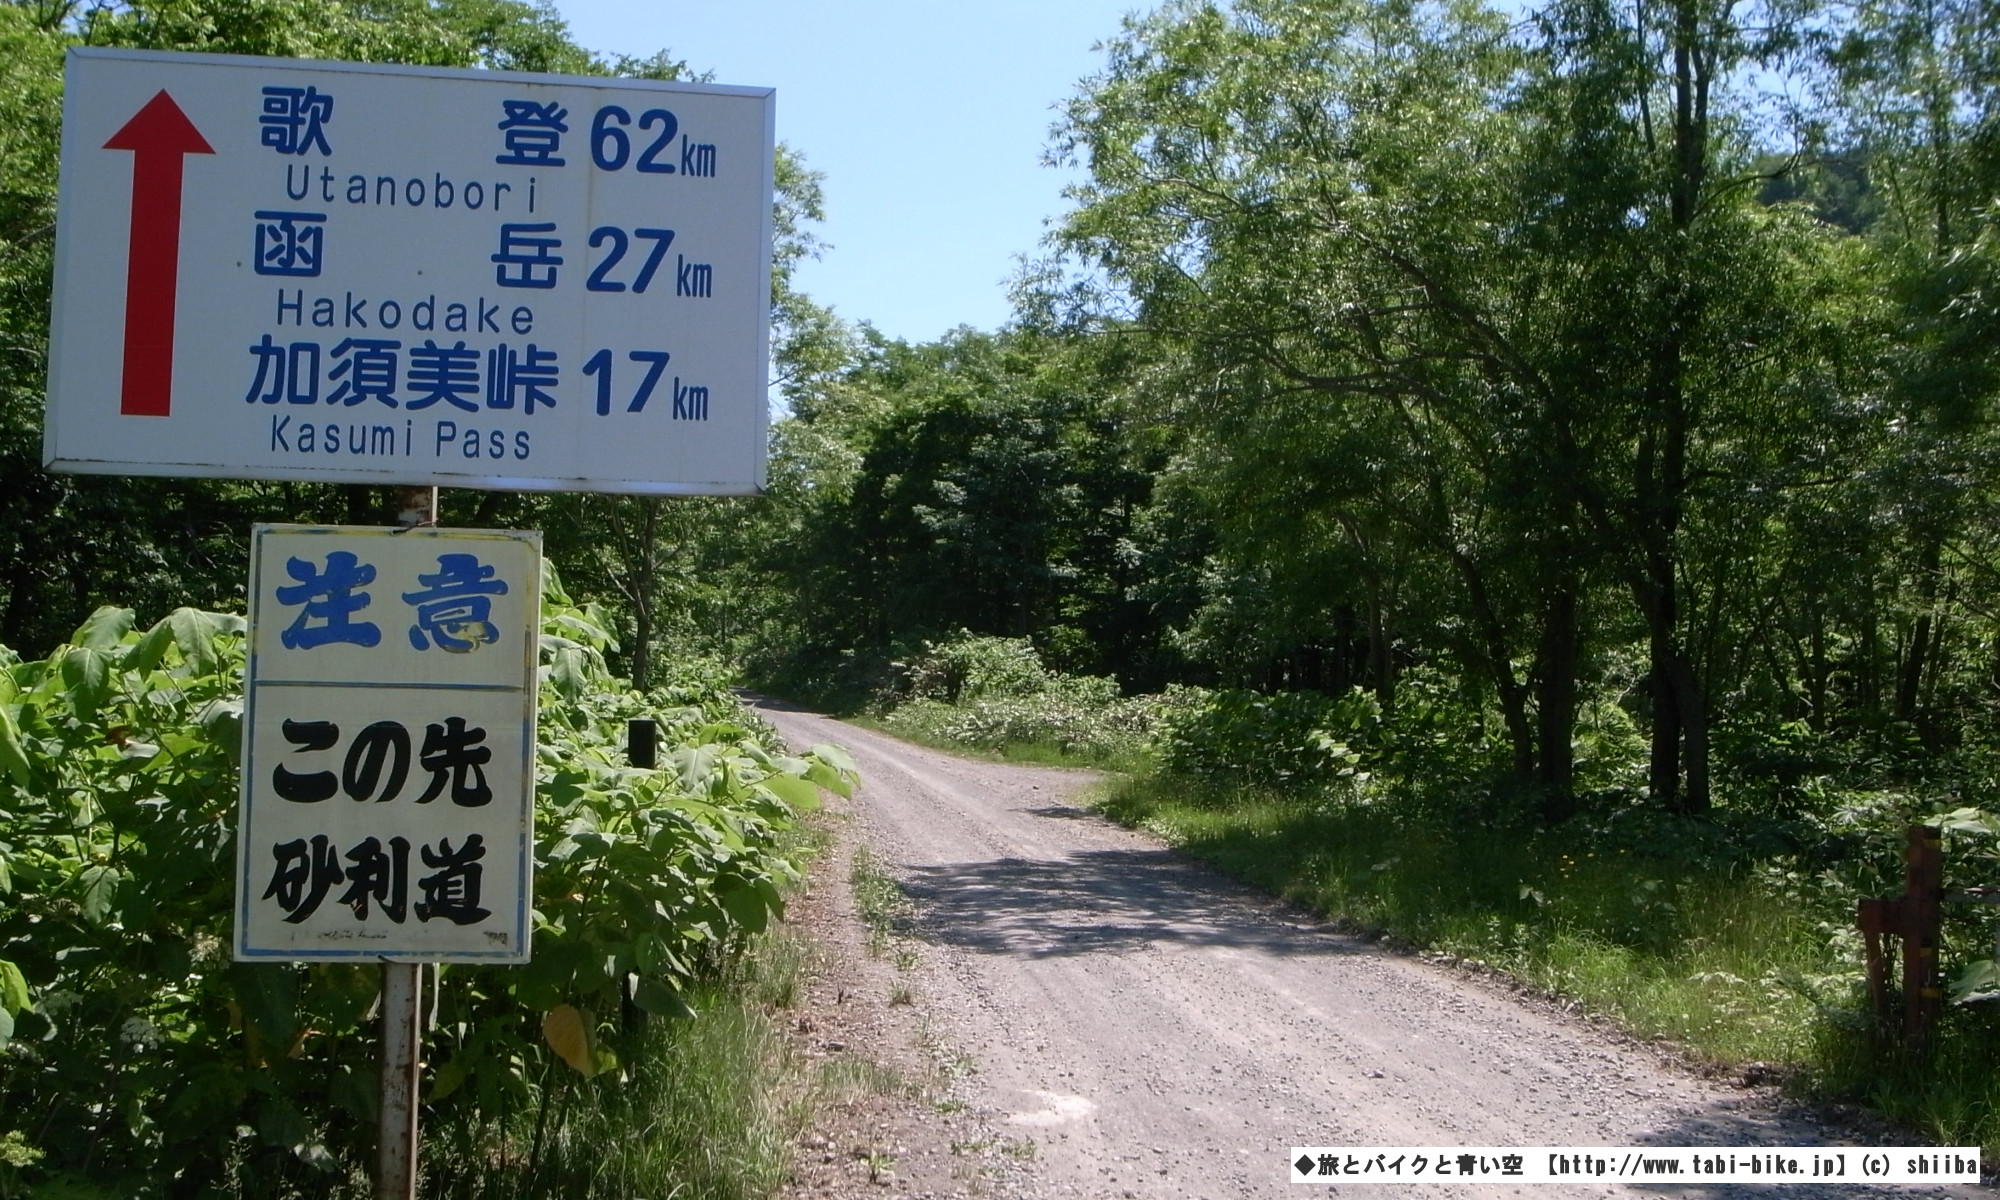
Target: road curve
(1161,1031)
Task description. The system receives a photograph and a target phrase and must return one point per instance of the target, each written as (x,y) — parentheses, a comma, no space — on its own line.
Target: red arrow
(158,135)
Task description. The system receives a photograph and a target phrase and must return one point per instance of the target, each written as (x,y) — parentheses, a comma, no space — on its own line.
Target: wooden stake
(1913,919)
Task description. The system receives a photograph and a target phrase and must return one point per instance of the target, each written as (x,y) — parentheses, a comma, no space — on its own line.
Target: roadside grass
(706,1107)
(1123,756)
(1951,1093)
(1736,964)
(879,899)
(886,910)
(703,1108)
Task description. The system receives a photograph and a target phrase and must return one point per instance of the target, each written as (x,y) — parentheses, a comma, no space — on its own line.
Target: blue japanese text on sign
(387,793)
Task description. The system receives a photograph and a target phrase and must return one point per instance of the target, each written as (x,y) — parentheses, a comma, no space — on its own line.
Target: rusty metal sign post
(402,1067)
(402,998)
(405,676)
(1915,919)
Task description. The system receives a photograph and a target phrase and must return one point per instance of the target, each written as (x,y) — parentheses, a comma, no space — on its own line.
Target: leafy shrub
(1282,739)
(1097,731)
(990,693)
(137,1059)
(972,666)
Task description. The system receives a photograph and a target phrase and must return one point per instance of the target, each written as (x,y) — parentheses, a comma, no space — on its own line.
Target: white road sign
(348,272)
(387,802)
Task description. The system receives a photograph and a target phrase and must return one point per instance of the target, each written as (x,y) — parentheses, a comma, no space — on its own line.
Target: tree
(978,483)
(1455,289)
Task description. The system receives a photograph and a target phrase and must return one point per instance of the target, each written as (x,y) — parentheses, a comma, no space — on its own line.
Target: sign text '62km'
(365,273)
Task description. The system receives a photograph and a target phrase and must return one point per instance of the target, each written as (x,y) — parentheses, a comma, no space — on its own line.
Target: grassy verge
(1032,752)
(1734,961)
(705,1108)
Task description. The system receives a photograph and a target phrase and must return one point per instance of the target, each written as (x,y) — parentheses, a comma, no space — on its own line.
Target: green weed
(880,900)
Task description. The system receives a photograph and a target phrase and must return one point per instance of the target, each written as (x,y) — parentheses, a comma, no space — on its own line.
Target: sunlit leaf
(194,633)
(13,758)
(145,654)
(105,629)
(13,988)
(100,891)
(86,676)
(801,794)
(831,779)
(837,758)
(1979,981)
(568,1032)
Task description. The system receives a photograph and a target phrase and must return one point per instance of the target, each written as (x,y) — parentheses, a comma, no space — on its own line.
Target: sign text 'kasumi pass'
(365,273)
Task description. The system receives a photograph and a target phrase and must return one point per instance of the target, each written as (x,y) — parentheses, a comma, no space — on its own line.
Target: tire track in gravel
(1162,1031)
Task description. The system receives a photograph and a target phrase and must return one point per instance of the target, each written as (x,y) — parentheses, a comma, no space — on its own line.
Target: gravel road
(1159,1030)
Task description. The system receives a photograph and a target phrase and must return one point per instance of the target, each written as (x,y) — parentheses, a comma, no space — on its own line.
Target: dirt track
(1158,1030)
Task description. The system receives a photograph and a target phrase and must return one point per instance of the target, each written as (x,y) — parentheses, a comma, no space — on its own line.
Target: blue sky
(928,118)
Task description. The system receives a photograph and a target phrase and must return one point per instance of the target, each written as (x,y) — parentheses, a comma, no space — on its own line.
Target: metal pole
(396,1157)
(402,1001)
(642,742)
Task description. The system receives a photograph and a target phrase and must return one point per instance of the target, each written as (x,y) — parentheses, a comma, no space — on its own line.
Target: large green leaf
(194,632)
(569,669)
(751,906)
(838,758)
(13,988)
(801,794)
(146,653)
(13,757)
(659,999)
(100,892)
(86,676)
(831,779)
(105,629)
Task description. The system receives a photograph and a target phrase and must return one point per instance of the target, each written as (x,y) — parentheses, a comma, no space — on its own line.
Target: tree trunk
(1691,706)
(1381,661)
(1555,701)
(646,567)
(1663,775)
(1499,664)
(1660,466)
(1909,680)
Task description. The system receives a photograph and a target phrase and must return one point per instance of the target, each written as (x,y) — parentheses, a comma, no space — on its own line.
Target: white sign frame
(669,310)
(346,683)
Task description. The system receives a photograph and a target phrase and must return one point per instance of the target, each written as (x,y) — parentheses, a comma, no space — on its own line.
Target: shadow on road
(1096,902)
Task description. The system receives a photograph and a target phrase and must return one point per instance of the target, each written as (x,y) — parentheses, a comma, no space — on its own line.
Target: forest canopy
(1597,365)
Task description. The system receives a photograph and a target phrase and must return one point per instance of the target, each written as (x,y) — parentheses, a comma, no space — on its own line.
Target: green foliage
(139,1057)
(1283,739)
(1734,961)
(972,667)
(994,694)
(977,483)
